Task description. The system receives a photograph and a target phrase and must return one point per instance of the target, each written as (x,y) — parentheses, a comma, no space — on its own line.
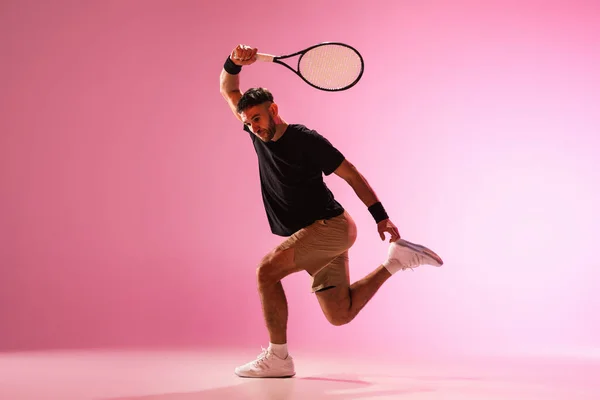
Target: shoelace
(261,357)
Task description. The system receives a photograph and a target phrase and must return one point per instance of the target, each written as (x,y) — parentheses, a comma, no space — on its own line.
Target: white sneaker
(267,365)
(405,254)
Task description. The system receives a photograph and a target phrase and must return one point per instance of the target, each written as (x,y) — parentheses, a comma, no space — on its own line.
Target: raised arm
(230,79)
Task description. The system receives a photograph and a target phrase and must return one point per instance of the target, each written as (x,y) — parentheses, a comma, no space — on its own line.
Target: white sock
(392,266)
(280,350)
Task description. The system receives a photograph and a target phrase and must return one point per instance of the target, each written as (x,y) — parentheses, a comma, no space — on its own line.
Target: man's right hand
(243,55)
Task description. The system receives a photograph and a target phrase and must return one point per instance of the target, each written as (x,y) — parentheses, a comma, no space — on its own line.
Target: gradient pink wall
(130,209)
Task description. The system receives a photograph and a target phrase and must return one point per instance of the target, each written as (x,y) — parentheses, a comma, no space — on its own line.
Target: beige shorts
(322,250)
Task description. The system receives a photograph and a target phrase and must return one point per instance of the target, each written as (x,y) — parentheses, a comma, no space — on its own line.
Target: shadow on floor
(325,387)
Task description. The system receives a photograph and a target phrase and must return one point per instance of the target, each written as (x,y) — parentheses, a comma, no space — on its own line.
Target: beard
(270,131)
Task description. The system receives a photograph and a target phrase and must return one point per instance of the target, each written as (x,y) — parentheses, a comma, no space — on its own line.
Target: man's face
(260,121)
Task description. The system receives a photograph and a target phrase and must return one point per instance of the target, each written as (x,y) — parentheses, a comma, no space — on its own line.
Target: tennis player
(318,230)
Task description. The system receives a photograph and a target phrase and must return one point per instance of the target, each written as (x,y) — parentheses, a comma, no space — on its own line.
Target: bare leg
(275,311)
(273,268)
(275,360)
(363,290)
(342,303)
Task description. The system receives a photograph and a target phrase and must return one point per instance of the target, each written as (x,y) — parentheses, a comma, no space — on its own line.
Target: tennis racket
(329,66)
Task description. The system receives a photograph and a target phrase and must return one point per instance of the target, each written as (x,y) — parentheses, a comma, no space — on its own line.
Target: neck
(280,127)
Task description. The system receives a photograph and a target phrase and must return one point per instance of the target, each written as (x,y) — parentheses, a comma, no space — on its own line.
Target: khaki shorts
(322,250)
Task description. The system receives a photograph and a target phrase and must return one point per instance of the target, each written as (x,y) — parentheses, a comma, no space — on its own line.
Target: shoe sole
(421,249)
(267,377)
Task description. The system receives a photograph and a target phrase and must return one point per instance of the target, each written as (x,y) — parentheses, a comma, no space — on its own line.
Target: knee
(265,274)
(275,266)
(339,319)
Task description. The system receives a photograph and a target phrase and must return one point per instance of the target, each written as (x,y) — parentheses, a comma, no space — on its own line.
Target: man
(292,161)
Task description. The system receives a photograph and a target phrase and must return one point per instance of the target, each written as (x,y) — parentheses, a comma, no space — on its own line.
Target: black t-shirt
(291,177)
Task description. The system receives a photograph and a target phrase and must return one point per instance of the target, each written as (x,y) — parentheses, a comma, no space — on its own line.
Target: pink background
(130,208)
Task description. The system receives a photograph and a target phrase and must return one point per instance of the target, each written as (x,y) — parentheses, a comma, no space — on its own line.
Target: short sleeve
(325,154)
(245,127)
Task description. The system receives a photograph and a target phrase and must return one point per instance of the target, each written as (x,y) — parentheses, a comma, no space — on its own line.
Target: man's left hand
(387,226)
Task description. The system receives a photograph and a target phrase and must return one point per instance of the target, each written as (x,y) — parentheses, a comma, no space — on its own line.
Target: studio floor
(208,374)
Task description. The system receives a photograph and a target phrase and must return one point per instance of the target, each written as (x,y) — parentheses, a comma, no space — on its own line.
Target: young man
(292,161)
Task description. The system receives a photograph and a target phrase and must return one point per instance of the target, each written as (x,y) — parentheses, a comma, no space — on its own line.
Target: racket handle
(264,57)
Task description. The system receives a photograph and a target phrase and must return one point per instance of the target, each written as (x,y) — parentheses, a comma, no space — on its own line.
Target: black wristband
(378,212)
(231,67)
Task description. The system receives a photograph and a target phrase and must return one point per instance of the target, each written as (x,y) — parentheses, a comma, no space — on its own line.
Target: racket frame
(277,59)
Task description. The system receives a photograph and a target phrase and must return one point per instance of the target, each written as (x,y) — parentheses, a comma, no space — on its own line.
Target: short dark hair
(253,97)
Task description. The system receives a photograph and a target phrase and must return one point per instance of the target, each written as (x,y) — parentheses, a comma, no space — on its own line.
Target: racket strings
(331,67)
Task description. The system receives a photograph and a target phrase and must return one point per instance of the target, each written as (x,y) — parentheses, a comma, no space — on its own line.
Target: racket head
(331,66)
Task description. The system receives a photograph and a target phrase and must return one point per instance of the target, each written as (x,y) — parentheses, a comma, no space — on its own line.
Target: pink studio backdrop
(130,208)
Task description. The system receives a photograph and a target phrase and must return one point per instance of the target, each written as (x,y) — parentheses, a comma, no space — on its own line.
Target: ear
(274,110)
